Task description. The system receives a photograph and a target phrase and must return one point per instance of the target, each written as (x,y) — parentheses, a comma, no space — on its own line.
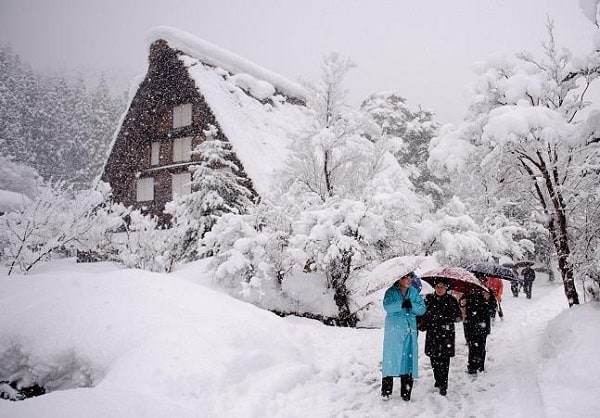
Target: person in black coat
(438,323)
(528,278)
(477,325)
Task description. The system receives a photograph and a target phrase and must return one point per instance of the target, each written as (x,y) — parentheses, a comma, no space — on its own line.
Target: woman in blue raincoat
(403,304)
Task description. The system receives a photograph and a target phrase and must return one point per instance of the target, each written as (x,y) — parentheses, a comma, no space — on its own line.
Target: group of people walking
(407,313)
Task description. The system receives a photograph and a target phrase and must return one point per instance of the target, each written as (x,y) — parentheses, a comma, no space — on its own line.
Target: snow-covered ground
(128,343)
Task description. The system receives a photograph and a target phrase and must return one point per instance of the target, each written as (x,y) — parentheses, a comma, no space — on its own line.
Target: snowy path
(518,338)
(508,387)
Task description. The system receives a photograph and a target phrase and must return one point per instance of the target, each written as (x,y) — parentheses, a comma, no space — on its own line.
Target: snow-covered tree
(345,205)
(522,146)
(18,98)
(408,133)
(218,186)
(54,124)
(333,158)
(454,237)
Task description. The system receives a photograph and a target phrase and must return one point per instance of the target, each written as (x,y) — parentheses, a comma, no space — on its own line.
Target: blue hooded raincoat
(400,349)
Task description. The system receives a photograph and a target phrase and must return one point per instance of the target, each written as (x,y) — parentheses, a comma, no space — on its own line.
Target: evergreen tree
(18,98)
(218,186)
(55,125)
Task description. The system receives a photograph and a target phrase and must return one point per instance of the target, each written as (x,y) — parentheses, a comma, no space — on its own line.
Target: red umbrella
(460,279)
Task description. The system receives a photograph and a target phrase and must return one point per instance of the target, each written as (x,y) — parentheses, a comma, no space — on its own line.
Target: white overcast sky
(423,49)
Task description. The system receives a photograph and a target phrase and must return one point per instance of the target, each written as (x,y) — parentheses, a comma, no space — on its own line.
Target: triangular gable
(257,110)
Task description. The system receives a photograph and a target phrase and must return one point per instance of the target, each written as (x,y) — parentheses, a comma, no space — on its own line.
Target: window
(155,155)
(182,115)
(181,184)
(182,148)
(145,189)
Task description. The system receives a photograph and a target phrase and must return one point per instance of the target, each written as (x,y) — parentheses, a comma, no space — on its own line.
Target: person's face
(440,289)
(404,282)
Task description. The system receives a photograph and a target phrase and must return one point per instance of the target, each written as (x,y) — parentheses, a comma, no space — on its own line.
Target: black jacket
(438,322)
(477,317)
(528,275)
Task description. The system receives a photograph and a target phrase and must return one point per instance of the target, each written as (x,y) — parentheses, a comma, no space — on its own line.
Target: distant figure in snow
(515,284)
(497,287)
(514,287)
(438,322)
(402,304)
(477,323)
(528,278)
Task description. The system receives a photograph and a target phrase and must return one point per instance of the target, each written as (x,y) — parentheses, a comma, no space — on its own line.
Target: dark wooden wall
(150,119)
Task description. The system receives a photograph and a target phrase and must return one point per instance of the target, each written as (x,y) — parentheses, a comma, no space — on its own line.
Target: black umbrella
(492,270)
(525,263)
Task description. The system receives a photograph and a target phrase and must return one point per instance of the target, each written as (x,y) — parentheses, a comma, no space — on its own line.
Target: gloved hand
(407,304)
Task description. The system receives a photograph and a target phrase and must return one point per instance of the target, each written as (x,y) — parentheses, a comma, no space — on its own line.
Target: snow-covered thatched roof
(211,54)
(259,111)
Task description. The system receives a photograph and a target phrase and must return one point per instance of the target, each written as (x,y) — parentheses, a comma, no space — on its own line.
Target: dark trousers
(406,384)
(527,289)
(440,366)
(514,288)
(476,343)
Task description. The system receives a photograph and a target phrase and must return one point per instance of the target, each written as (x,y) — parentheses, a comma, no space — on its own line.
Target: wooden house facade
(191,88)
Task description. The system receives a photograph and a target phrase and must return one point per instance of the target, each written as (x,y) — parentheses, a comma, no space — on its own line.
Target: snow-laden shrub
(59,221)
(144,244)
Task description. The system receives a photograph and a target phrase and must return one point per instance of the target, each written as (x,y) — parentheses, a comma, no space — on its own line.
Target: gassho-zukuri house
(193,88)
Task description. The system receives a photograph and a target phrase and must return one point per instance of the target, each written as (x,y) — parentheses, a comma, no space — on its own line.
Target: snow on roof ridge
(212,54)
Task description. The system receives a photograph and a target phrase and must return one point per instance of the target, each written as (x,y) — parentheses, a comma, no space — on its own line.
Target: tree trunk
(558,230)
(557,227)
(564,266)
(327,174)
(339,273)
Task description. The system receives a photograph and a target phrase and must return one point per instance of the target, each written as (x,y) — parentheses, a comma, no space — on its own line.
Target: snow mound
(135,331)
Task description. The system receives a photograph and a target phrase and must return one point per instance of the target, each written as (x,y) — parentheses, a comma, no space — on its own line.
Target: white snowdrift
(124,343)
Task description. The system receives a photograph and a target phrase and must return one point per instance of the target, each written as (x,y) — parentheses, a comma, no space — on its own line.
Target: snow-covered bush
(143,244)
(252,257)
(58,221)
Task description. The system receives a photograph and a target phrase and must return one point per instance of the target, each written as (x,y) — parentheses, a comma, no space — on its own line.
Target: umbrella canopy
(388,272)
(525,263)
(460,279)
(492,270)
